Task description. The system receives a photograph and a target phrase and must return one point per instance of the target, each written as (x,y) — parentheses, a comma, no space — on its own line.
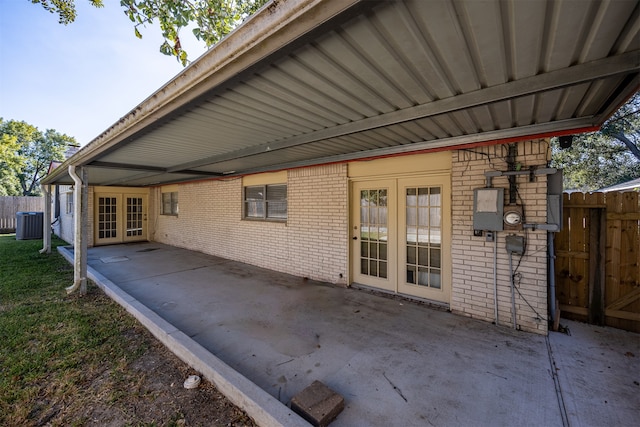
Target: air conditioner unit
(29,225)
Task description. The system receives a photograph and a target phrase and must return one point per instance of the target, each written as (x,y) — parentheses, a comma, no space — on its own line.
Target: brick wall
(312,243)
(318,222)
(472,287)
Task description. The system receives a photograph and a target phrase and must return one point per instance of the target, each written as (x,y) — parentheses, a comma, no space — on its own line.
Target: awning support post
(80,195)
(46,223)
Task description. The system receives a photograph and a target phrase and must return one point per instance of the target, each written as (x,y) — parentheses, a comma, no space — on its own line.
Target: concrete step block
(318,404)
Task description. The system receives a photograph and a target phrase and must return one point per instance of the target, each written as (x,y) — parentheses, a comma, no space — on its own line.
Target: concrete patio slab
(395,362)
(599,373)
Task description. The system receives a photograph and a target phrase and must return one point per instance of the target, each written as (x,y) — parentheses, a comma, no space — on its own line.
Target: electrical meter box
(488,209)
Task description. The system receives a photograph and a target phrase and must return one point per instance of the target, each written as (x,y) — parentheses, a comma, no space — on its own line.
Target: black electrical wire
(524,251)
(482,153)
(515,285)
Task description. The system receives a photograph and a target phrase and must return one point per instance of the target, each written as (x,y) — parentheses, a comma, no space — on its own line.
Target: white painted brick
(473,257)
(309,244)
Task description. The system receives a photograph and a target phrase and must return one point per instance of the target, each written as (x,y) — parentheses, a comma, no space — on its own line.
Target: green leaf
(166,48)
(214,19)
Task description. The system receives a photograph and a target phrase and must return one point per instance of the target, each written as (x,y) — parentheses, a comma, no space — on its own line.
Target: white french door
(401,236)
(120,218)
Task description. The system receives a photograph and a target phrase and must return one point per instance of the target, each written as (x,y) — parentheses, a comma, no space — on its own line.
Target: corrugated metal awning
(312,81)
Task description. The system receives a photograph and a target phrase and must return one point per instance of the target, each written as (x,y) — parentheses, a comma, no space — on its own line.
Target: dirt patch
(147,391)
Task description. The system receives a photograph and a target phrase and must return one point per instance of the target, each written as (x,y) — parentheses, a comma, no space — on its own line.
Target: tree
(212,19)
(25,156)
(607,157)
(9,162)
(66,9)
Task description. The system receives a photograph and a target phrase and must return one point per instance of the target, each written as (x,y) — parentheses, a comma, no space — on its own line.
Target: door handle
(355,237)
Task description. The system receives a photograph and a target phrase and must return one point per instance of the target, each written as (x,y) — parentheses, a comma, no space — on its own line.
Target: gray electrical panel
(488,209)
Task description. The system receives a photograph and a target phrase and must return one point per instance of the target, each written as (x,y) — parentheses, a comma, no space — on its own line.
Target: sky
(81,78)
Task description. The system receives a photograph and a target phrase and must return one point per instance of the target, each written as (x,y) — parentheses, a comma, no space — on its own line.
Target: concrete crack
(556,383)
(395,387)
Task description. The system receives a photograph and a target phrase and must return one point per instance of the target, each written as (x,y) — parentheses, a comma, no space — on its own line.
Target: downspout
(46,223)
(79,243)
(552,279)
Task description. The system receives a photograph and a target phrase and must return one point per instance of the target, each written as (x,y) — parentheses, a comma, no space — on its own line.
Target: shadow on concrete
(263,336)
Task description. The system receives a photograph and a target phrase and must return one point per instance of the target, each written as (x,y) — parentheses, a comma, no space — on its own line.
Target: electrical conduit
(495,276)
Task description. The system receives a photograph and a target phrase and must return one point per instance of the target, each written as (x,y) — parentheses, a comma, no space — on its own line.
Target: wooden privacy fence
(598,259)
(10,205)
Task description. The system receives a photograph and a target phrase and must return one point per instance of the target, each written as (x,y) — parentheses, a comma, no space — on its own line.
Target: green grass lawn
(52,344)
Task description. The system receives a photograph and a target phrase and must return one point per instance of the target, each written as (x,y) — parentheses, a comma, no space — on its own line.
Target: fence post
(597,230)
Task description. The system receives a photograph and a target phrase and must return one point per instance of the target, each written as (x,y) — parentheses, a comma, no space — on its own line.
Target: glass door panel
(135,217)
(373,243)
(373,232)
(421,244)
(107,219)
(422,231)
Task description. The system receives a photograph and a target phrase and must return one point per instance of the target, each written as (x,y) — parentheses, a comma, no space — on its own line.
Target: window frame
(262,204)
(69,202)
(173,203)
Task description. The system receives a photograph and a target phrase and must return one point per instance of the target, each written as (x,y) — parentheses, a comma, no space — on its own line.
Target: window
(70,203)
(170,203)
(268,202)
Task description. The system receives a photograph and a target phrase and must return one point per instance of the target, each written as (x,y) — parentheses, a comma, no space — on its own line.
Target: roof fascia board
(620,64)
(265,33)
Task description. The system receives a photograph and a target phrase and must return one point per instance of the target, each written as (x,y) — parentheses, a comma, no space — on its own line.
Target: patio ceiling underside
(404,76)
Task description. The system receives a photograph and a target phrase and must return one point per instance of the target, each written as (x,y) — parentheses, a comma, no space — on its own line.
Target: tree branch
(632,147)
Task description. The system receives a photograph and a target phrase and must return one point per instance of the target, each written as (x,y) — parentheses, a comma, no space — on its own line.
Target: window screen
(266,202)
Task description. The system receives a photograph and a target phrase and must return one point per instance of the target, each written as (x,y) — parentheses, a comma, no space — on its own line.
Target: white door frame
(396,280)
(119,215)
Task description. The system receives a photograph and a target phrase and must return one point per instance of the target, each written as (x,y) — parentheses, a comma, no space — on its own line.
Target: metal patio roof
(312,81)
